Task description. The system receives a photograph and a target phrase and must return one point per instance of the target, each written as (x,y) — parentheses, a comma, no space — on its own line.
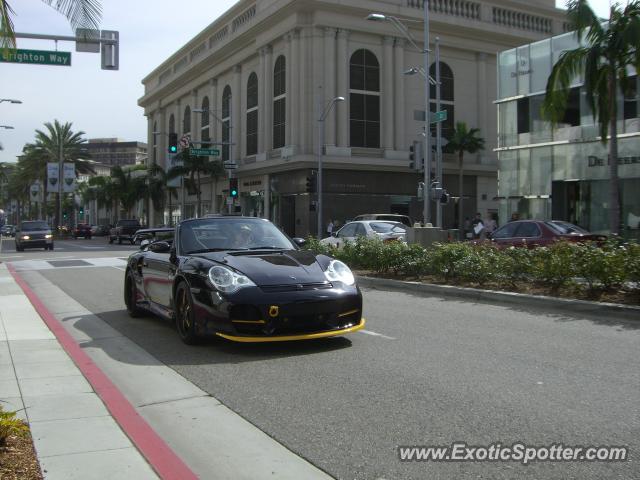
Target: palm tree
(58,141)
(155,186)
(105,193)
(607,50)
(130,187)
(80,13)
(463,139)
(195,168)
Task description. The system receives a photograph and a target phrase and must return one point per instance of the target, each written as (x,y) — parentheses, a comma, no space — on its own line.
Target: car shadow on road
(159,338)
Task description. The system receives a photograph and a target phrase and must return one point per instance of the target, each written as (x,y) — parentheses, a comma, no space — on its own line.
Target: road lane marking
(376,334)
(119,268)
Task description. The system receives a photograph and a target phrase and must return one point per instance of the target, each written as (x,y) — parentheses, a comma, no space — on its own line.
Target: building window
(154,155)
(279,102)
(446,97)
(631,99)
(364,99)
(205,134)
(186,121)
(252,115)
(226,121)
(172,124)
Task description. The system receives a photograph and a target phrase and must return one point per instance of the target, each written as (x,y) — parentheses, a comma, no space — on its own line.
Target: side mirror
(144,243)
(159,247)
(301,242)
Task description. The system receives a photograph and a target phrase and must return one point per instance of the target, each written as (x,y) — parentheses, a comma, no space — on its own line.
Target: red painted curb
(159,455)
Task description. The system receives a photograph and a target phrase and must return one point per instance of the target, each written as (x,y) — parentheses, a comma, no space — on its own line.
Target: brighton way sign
(37,57)
(204,152)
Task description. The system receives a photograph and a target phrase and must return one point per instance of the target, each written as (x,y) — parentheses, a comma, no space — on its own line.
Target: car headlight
(339,272)
(48,235)
(25,237)
(228,281)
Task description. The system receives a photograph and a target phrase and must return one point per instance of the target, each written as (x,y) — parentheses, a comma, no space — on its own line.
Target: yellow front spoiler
(303,336)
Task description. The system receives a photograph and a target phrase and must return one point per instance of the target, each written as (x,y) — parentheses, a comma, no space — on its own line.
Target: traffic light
(311,184)
(444,198)
(233,187)
(81,210)
(416,158)
(173,143)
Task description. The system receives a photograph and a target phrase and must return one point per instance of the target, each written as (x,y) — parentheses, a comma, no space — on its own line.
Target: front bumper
(35,243)
(287,338)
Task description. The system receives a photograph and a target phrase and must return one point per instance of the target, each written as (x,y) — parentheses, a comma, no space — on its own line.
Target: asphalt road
(428,371)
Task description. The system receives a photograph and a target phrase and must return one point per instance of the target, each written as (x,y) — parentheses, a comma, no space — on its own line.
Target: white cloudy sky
(101,103)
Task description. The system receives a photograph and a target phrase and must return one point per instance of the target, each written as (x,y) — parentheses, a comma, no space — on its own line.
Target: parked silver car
(385,231)
(34,234)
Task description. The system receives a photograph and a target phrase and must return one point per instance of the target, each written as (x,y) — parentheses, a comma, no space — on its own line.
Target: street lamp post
(229,144)
(427,113)
(321,120)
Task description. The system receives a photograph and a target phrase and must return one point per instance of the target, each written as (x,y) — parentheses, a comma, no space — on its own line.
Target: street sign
(87,40)
(36,57)
(230,165)
(436,117)
(204,152)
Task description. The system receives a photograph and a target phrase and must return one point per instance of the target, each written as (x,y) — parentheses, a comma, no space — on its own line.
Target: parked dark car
(153,234)
(536,233)
(124,230)
(8,230)
(82,230)
(34,234)
(242,279)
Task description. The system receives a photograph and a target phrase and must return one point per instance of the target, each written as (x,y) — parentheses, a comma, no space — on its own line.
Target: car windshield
(33,226)
(211,234)
(387,227)
(565,228)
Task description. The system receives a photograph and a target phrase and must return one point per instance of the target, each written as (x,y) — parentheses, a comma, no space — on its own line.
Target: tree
(55,142)
(607,50)
(195,167)
(129,187)
(80,13)
(461,140)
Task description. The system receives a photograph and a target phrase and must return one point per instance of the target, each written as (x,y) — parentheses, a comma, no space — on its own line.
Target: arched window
(205,134)
(155,133)
(279,102)
(172,124)
(252,114)
(364,99)
(186,121)
(446,96)
(226,121)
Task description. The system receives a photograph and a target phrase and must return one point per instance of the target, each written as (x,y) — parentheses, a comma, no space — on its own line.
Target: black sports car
(241,278)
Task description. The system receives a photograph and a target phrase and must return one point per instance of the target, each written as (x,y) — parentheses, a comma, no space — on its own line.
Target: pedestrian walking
(330,227)
(479,231)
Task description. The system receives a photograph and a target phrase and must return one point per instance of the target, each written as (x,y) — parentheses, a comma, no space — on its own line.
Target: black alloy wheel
(184,315)
(131,295)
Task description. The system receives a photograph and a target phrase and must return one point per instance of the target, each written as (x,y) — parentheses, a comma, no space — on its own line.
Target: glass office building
(561,173)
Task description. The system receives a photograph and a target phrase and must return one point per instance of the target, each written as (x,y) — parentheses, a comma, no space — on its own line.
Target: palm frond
(80,13)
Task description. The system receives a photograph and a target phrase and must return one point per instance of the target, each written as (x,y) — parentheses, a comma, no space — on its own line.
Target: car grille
(35,236)
(295,287)
(295,318)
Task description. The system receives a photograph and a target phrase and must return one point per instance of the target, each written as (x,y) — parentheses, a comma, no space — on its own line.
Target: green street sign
(36,57)
(437,117)
(204,152)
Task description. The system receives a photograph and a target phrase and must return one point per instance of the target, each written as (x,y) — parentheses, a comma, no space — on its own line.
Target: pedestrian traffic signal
(233,187)
(173,143)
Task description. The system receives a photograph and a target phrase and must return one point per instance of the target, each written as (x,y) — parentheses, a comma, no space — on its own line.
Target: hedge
(560,266)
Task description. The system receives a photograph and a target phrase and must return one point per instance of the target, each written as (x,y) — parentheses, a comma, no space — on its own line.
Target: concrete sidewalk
(73,432)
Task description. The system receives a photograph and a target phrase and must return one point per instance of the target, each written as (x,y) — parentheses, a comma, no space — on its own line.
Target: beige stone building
(266,70)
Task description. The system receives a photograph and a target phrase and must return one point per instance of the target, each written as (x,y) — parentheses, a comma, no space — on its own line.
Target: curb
(624,312)
(162,459)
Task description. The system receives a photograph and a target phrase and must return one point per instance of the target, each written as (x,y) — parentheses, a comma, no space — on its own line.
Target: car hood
(283,267)
(35,232)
